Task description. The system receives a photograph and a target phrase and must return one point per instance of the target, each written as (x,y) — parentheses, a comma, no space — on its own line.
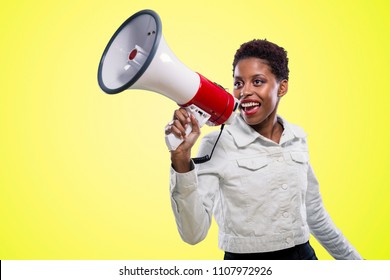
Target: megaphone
(137,57)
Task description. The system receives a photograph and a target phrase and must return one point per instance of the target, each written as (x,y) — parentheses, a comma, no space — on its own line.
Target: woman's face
(258,90)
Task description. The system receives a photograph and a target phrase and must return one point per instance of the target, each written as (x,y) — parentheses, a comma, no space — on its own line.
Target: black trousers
(300,252)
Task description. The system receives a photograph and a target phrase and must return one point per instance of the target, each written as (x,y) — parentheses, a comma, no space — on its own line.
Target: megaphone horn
(137,57)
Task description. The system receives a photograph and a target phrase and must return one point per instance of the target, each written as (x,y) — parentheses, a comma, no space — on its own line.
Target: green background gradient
(85,175)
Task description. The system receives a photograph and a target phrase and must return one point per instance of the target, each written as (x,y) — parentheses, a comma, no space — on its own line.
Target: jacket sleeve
(322,226)
(192,199)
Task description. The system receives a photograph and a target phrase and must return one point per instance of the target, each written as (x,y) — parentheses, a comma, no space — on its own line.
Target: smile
(249,105)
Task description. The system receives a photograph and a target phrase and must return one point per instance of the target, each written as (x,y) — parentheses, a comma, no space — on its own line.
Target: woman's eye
(258,82)
(237,84)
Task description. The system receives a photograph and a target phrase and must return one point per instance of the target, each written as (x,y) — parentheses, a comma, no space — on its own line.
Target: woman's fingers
(179,124)
(182,116)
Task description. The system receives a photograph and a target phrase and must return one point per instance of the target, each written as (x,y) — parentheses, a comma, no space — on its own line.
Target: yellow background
(85,175)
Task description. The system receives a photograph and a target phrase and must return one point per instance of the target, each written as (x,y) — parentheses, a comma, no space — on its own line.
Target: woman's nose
(246,91)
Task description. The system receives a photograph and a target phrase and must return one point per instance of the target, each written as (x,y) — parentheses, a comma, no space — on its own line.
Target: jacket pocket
(300,157)
(253,163)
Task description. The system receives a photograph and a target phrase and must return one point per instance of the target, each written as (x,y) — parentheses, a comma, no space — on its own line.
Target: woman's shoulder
(212,137)
(297,130)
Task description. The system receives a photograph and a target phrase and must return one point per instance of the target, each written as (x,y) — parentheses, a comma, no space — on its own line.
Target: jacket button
(285,214)
(284,186)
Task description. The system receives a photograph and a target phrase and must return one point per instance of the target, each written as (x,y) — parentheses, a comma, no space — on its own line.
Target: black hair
(275,56)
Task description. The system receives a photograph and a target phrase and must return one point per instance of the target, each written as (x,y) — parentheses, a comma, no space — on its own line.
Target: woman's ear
(283,88)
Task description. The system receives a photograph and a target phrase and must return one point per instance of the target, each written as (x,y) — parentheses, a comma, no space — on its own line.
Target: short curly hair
(275,56)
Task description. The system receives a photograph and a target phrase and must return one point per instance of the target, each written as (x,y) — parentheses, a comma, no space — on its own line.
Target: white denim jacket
(264,196)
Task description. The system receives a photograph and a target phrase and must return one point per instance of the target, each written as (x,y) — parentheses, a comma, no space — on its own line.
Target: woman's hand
(181,157)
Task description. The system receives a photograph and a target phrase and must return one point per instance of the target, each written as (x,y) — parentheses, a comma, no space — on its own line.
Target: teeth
(250,104)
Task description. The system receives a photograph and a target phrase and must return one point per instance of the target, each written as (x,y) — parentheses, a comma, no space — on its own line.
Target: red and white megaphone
(137,57)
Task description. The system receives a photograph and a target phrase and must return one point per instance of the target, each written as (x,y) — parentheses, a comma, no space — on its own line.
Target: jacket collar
(244,135)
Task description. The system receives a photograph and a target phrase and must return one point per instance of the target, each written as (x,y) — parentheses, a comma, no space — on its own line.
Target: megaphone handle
(201,116)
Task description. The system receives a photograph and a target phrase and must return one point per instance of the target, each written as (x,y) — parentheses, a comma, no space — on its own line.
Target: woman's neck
(270,128)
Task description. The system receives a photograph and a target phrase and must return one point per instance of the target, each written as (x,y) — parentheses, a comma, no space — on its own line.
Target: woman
(259,183)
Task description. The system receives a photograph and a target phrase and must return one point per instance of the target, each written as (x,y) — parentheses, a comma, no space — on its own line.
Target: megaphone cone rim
(148,60)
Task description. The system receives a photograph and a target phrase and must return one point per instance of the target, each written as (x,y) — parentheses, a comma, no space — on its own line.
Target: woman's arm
(192,192)
(322,226)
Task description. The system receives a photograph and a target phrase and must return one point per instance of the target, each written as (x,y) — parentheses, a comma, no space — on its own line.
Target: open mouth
(250,107)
